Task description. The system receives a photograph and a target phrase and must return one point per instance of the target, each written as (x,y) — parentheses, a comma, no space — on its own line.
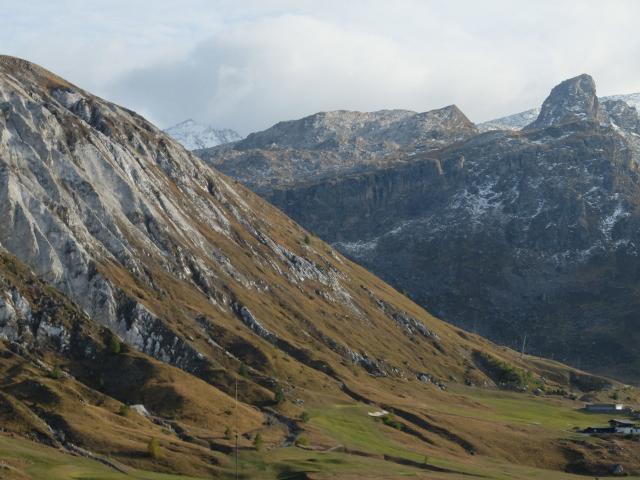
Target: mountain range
(530,230)
(157,317)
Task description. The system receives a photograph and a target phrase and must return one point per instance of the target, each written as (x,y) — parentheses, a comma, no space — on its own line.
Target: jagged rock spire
(572,100)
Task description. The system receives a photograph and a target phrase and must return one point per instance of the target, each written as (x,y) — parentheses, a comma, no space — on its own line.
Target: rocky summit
(519,120)
(574,99)
(509,233)
(331,144)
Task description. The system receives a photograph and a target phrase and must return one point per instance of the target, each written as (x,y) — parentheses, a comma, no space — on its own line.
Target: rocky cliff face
(335,143)
(507,233)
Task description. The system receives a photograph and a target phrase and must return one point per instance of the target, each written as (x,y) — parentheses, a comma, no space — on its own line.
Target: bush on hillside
(257,441)
(390,421)
(279,395)
(153,448)
(114,345)
(56,372)
(503,373)
(124,410)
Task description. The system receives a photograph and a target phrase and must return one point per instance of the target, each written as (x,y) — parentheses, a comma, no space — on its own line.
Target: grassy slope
(28,460)
(364,443)
(508,429)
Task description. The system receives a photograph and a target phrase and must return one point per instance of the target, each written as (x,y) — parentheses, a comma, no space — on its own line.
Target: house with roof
(625,427)
(604,407)
(616,427)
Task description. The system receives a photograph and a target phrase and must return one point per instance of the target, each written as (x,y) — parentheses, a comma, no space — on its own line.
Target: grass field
(30,460)
(343,442)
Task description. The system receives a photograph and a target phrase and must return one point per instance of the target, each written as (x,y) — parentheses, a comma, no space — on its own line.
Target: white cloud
(248,64)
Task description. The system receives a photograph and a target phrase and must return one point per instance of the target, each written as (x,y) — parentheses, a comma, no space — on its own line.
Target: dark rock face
(508,234)
(533,235)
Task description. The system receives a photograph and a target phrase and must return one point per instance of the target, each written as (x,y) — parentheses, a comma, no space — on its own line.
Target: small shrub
(124,410)
(305,417)
(302,441)
(227,433)
(114,345)
(390,421)
(257,441)
(153,448)
(243,370)
(307,240)
(279,395)
(56,373)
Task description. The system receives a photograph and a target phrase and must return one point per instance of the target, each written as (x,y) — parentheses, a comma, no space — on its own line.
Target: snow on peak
(194,136)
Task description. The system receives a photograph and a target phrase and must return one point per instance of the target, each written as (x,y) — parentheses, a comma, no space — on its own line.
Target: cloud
(248,64)
(251,75)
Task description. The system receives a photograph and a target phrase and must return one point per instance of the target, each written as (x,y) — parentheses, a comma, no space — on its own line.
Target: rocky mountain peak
(572,100)
(335,143)
(342,129)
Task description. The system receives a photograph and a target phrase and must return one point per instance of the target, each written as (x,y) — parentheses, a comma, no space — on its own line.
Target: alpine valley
(524,229)
(142,292)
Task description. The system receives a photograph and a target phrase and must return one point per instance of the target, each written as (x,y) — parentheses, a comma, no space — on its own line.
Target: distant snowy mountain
(519,120)
(193,135)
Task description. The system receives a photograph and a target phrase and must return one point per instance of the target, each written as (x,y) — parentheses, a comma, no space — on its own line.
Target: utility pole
(524,342)
(236,428)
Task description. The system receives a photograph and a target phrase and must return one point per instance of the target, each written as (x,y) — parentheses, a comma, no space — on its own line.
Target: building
(616,427)
(599,430)
(604,407)
(625,427)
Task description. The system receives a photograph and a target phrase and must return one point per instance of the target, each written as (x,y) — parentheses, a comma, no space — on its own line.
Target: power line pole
(524,342)
(236,428)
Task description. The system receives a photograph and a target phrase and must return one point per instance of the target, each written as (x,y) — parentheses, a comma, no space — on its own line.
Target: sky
(247,64)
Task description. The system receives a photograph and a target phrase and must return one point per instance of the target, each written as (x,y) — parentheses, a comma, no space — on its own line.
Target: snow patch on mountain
(511,122)
(194,136)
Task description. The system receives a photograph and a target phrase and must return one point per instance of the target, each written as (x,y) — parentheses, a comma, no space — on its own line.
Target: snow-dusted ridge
(518,120)
(194,135)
